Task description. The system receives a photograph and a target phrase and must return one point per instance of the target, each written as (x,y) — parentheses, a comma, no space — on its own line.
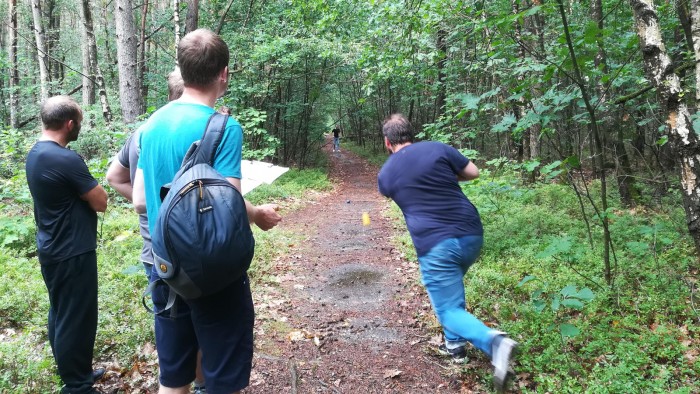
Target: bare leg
(177,390)
(198,374)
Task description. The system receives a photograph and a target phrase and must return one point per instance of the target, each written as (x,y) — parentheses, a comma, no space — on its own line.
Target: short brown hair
(175,84)
(201,55)
(57,110)
(397,129)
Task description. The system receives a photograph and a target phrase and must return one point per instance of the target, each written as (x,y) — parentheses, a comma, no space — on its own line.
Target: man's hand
(266,216)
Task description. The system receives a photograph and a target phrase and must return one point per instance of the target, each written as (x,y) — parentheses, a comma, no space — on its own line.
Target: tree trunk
(142,58)
(441,46)
(192,17)
(88,89)
(91,42)
(129,86)
(14,72)
(53,36)
(176,23)
(39,36)
(625,182)
(683,139)
(695,18)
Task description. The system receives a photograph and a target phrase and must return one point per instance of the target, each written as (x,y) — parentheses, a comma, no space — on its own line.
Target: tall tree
(695,32)
(14,72)
(143,65)
(92,43)
(42,54)
(176,20)
(88,77)
(684,140)
(192,17)
(127,60)
(53,37)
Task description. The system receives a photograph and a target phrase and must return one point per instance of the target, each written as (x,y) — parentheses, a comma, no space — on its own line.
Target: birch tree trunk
(88,89)
(695,32)
(91,42)
(39,36)
(127,60)
(684,140)
(14,73)
(176,22)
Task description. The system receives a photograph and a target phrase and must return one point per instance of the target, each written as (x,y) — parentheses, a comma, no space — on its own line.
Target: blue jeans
(336,143)
(442,270)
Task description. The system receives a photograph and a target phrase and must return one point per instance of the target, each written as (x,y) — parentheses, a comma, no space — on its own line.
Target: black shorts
(221,325)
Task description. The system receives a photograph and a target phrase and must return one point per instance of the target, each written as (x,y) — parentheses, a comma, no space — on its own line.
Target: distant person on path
(423,179)
(66,201)
(220,324)
(121,175)
(337,131)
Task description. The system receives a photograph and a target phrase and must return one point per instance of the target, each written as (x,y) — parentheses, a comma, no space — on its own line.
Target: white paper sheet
(255,173)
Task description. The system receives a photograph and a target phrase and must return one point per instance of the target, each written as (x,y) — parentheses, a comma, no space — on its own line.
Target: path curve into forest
(349,313)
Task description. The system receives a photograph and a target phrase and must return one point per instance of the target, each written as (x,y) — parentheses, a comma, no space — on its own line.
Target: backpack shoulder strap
(213,134)
(202,151)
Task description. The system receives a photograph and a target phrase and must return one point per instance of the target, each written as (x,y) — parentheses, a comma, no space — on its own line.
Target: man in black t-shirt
(66,201)
(336,139)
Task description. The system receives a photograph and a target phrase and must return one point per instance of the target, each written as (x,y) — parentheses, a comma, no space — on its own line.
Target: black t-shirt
(336,132)
(66,224)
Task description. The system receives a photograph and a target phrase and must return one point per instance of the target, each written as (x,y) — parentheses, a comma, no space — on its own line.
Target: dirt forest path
(346,316)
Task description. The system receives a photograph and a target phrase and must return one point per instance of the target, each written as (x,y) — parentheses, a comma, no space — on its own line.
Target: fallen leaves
(300,335)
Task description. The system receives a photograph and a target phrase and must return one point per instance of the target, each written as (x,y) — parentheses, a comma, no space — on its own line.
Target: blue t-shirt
(66,224)
(165,139)
(422,179)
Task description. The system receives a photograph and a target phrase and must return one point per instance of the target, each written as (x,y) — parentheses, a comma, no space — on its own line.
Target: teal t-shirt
(165,139)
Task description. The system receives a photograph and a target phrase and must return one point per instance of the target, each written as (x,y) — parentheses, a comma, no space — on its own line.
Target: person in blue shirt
(220,324)
(121,174)
(66,201)
(423,179)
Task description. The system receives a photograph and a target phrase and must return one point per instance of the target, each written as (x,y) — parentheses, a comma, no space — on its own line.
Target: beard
(74,132)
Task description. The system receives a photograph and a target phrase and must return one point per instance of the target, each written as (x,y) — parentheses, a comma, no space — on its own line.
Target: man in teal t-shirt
(220,324)
(165,139)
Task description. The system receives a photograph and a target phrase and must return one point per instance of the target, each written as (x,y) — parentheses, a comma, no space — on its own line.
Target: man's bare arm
(139,192)
(119,178)
(469,172)
(264,216)
(97,198)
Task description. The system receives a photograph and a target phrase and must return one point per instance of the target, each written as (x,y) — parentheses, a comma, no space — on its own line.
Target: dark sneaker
(502,352)
(97,374)
(458,354)
(199,390)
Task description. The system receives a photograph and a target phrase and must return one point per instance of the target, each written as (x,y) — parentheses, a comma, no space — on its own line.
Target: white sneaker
(502,352)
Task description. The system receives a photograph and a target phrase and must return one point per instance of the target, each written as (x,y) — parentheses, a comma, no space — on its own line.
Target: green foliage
(258,143)
(16,232)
